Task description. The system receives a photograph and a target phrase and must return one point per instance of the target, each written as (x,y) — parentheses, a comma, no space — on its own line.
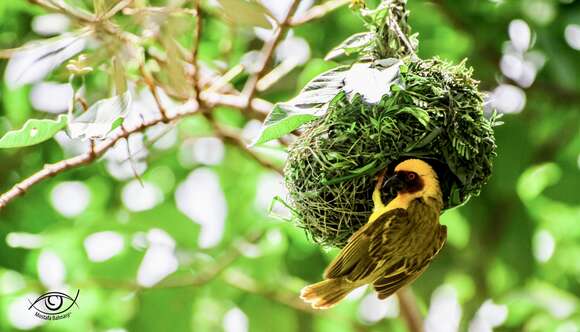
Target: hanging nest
(361,118)
(437,116)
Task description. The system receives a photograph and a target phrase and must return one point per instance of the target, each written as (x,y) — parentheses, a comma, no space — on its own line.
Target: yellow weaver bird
(395,246)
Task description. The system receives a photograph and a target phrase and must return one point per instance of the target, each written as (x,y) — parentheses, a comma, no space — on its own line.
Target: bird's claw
(380,178)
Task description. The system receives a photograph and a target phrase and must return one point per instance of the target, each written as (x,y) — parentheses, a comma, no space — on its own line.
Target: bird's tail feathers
(325,294)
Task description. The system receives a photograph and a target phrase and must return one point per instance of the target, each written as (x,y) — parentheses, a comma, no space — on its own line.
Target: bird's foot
(380,178)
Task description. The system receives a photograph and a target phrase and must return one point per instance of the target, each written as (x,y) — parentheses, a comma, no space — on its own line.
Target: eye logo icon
(53,305)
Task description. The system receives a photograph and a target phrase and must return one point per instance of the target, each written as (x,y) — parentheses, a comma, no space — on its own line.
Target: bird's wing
(408,234)
(388,242)
(388,285)
(354,260)
(406,250)
(407,271)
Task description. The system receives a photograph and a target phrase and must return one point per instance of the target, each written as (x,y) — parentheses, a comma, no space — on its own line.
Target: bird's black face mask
(403,181)
(394,184)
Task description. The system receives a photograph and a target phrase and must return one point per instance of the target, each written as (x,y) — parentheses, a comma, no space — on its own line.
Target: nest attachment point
(435,114)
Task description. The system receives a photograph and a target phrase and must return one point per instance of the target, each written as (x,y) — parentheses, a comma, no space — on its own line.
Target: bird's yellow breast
(399,202)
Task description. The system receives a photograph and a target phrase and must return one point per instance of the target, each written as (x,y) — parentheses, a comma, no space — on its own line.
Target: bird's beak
(394,183)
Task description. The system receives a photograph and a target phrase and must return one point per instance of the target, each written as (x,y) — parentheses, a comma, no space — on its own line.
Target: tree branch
(409,310)
(259,110)
(266,54)
(255,108)
(319,11)
(241,281)
(213,99)
(213,271)
(228,137)
(153,89)
(195,52)
(80,160)
(66,9)
(236,141)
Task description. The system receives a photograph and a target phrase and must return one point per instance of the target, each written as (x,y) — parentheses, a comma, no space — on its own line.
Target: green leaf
(100,118)
(320,90)
(33,132)
(244,12)
(420,114)
(76,82)
(307,106)
(353,44)
(281,121)
(117,123)
(364,169)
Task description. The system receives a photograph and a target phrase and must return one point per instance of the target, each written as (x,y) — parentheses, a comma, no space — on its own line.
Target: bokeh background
(194,243)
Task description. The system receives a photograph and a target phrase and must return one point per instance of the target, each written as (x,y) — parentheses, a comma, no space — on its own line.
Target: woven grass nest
(385,106)
(435,113)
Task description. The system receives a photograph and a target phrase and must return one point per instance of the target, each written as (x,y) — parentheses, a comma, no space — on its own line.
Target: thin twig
(92,148)
(158,10)
(409,310)
(195,51)
(132,163)
(66,9)
(242,281)
(213,96)
(229,137)
(209,274)
(153,89)
(225,79)
(266,54)
(236,141)
(121,5)
(259,110)
(395,26)
(319,11)
(150,142)
(90,18)
(276,74)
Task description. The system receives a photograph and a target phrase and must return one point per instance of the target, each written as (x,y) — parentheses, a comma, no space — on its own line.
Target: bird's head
(415,178)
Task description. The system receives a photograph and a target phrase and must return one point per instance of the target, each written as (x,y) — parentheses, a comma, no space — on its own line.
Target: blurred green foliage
(517,244)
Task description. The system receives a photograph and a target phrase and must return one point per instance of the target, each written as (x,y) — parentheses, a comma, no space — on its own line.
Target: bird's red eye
(411,176)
